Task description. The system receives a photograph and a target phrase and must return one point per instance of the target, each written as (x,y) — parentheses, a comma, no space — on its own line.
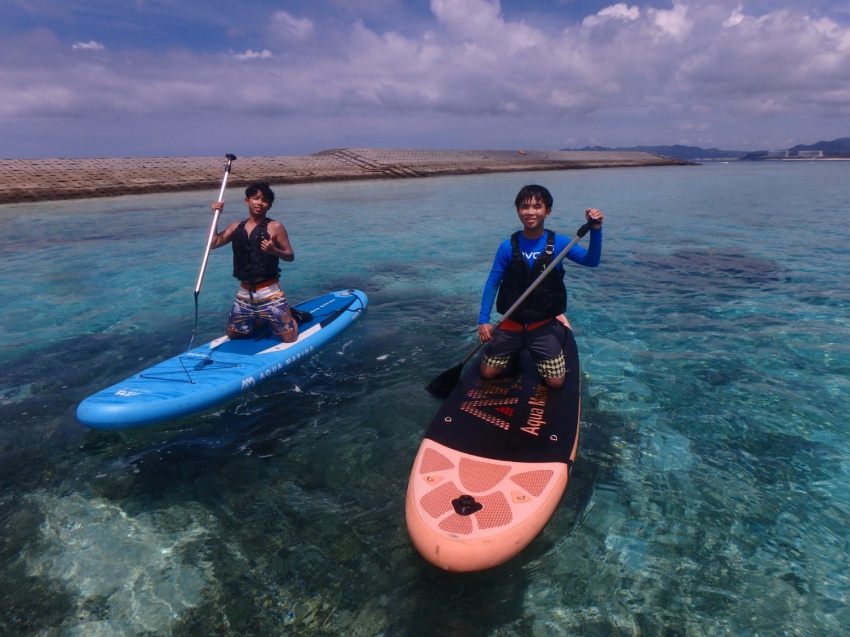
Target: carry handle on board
(443,384)
(213,227)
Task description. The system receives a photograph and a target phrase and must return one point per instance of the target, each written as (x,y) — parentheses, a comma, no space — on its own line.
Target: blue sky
(130,78)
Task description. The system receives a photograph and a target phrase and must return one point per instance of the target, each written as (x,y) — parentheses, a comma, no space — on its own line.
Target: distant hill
(835,148)
(690,153)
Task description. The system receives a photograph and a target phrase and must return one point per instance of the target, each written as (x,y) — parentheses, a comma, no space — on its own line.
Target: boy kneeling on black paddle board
(519,261)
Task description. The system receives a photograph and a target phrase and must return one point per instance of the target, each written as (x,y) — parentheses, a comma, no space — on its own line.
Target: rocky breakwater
(24,180)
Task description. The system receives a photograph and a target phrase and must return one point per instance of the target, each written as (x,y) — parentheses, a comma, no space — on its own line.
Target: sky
(189,78)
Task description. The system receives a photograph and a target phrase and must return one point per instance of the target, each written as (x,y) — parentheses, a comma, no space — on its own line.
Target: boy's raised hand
(594,218)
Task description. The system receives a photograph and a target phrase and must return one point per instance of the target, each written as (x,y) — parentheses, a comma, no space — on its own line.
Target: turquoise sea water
(711,494)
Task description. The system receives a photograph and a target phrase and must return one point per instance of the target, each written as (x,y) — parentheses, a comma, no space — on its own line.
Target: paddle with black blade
(213,227)
(443,384)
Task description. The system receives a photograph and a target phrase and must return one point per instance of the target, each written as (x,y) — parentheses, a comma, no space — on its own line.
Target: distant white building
(800,154)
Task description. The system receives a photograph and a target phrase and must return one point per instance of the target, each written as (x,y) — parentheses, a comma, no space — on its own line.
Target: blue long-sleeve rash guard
(531,249)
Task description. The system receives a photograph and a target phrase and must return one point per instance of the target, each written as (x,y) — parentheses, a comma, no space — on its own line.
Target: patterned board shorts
(544,343)
(268,303)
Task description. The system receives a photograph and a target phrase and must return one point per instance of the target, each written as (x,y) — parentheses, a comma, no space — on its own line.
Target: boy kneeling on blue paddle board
(519,261)
(258,245)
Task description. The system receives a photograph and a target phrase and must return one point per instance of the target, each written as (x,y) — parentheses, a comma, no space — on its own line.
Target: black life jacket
(250,263)
(548,300)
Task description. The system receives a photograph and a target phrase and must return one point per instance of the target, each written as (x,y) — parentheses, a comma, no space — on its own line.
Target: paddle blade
(443,384)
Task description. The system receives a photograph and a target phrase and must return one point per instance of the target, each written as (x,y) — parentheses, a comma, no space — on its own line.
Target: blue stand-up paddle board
(210,374)
(494,464)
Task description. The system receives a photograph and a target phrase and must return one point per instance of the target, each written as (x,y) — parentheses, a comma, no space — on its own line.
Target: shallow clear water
(710,495)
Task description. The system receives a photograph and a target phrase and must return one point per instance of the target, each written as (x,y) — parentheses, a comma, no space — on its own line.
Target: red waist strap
(512,326)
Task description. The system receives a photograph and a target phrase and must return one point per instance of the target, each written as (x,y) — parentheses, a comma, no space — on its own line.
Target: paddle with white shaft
(213,227)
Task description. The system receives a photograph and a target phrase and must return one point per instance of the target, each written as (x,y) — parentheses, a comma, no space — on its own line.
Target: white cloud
(619,11)
(254,55)
(480,22)
(699,66)
(289,28)
(91,45)
(673,23)
(471,18)
(736,18)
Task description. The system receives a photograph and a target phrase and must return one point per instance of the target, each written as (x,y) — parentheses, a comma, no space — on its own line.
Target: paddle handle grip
(230,159)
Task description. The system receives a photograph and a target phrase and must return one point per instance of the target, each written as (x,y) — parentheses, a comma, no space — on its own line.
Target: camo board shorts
(546,345)
(268,303)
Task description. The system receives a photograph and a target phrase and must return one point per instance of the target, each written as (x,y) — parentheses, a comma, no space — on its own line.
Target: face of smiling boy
(532,214)
(258,204)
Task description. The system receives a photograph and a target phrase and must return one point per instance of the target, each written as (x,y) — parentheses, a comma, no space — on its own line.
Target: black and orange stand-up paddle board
(493,465)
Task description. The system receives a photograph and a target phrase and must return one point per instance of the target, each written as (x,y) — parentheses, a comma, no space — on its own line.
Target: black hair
(261,187)
(533,191)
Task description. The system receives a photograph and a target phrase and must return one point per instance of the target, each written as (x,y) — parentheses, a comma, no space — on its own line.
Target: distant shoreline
(27,180)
